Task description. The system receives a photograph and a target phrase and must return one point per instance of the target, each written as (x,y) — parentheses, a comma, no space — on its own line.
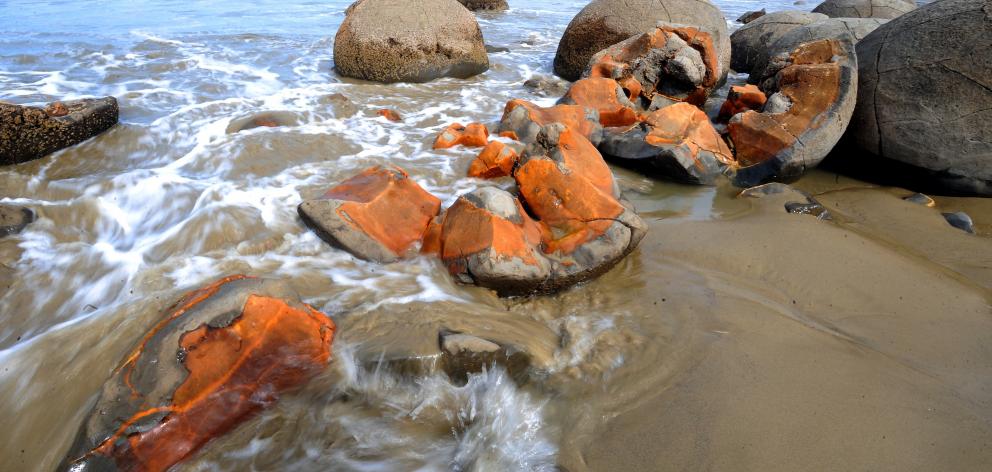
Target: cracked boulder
(496,160)
(750,42)
(525,119)
(811,93)
(741,98)
(400,41)
(28,133)
(670,64)
(606,96)
(473,135)
(887,9)
(217,357)
(379,215)
(925,94)
(603,23)
(677,142)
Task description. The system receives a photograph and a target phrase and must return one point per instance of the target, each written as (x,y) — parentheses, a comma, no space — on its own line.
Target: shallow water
(736,337)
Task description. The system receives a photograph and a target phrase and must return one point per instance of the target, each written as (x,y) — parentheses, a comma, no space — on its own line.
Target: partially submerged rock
(925,94)
(750,44)
(603,23)
(390,114)
(961,221)
(796,201)
(473,135)
(750,16)
(466,354)
(476,5)
(606,96)
(669,64)
(524,120)
(28,133)
(398,41)
(811,93)
(677,142)
(380,214)
(496,160)
(13,219)
(865,8)
(220,355)
(546,86)
(265,119)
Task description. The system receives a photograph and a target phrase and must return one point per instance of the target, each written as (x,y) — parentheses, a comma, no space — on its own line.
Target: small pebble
(960,220)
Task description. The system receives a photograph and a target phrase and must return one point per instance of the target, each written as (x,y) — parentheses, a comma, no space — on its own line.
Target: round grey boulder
(750,43)
(603,23)
(925,93)
(852,29)
(403,41)
(865,8)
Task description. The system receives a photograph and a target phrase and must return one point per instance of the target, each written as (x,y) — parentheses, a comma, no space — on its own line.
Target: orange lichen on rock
(624,62)
(473,135)
(606,96)
(525,119)
(742,98)
(389,114)
(379,214)
(682,124)
(496,160)
(232,369)
(469,229)
(811,84)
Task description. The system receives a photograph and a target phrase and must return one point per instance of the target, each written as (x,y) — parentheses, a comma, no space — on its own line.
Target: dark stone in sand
(13,219)
(960,220)
(751,16)
(811,207)
(28,133)
(920,199)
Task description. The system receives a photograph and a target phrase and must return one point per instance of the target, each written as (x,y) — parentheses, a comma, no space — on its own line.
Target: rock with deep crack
(525,119)
(750,43)
(606,96)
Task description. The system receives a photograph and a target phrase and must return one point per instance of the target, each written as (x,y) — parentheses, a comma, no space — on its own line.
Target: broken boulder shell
(811,93)
(473,135)
(749,44)
(28,133)
(525,119)
(379,215)
(741,98)
(606,96)
(677,142)
(220,355)
(496,160)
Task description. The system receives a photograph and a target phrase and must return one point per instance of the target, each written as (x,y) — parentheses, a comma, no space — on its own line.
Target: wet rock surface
(380,214)
(887,9)
(472,135)
(399,41)
(28,133)
(796,201)
(925,94)
(547,86)
(750,43)
(604,23)
(220,355)
(525,119)
(960,220)
(268,119)
(496,160)
(476,5)
(606,96)
(13,219)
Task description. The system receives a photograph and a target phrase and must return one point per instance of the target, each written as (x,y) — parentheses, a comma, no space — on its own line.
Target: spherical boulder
(28,133)
(401,41)
(864,8)
(751,41)
(925,93)
(603,23)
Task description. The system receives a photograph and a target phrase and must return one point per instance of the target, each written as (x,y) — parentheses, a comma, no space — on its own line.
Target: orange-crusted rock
(742,98)
(669,64)
(379,214)
(391,115)
(218,356)
(811,95)
(496,160)
(677,142)
(473,135)
(525,120)
(606,96)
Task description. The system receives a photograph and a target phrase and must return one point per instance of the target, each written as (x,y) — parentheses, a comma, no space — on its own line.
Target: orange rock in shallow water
(220,355)
(473,135)
(742,98)
(380,214)
(525,119)
(496,160)
(388,114)
(606,96)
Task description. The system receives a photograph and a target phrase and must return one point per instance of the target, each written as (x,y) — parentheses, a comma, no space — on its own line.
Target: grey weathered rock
(466,354)
(28,133)
(887,9)
(13,219)
(603,23)
(476,5)
(751,42)
(546,86)
(796,201)
(960,220)
(751,16)
(401,41)
(925,93)
(855,29)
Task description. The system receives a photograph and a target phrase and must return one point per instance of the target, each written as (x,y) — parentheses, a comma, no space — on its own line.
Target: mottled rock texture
(887,9)
(28,133)
(476,5)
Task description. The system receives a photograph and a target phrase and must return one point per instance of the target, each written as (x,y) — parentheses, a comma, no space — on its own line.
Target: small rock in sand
(960,220)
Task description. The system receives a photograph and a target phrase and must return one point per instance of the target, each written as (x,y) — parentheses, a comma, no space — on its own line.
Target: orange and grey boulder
(677,142)
(525,119)
(496,160)
(751,41)
(28,133)
(603,23)
(401,41)
(887,9)
(741,98)
(925,94)
(669,64)
(217,357)
(473,135)
(811,93)
(380,214)
(606,96)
